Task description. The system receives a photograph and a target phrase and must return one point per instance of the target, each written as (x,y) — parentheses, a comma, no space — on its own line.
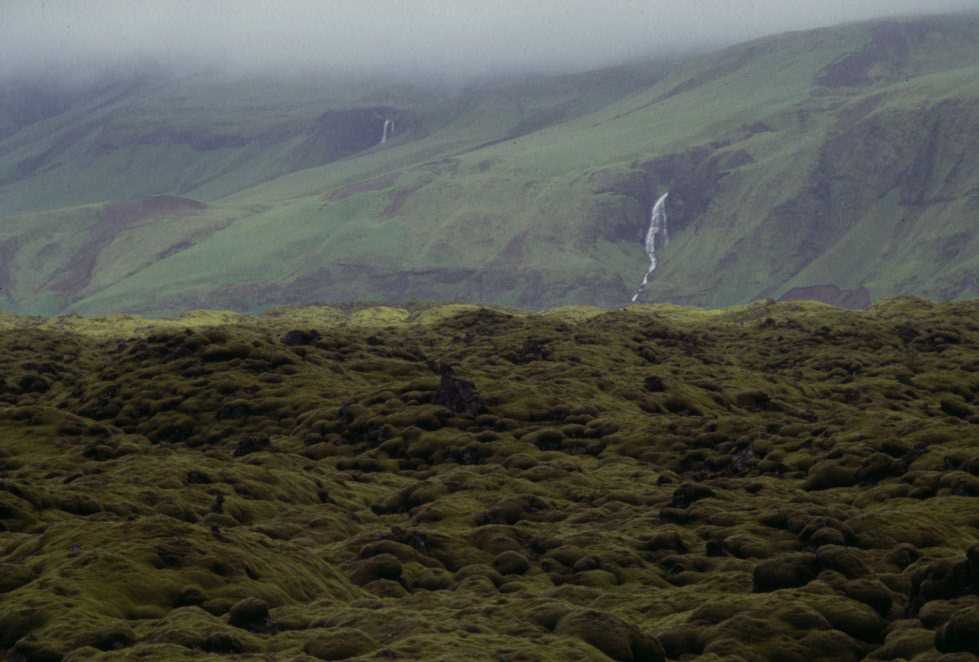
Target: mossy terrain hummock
(774,482)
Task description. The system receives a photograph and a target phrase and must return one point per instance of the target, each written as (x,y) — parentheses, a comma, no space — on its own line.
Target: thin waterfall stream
(657,236)
(387,131)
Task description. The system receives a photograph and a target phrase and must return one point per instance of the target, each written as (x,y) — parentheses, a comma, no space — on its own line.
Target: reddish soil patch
(116,217)
(376,184)
(119,215)
(398,199)
(890,46)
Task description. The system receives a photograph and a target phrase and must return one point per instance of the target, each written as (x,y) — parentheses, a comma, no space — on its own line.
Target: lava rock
(791,571)
(251,444)
(222,643)
(871,593)
(755,401)
(31,650)
(616,638)
(827,475)
(511,563)
(960,634)
(847,562)
(854,618)
(654,384)
(297,338)
(113,637)
(878,467)
(33,384)
(197,477)
(688,494)
(340,644)
(382,566)
(250,614)
(458,395)
(665,541)
(944,580)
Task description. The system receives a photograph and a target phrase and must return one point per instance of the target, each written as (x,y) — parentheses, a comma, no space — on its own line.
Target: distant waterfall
(658,236)
(388,130)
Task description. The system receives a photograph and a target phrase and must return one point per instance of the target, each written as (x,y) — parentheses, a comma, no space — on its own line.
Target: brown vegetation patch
(117,217)
(399,198)
(855,299)
(886,54)
(376,184)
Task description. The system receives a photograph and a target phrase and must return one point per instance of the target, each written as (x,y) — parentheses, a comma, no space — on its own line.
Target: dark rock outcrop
(457,394)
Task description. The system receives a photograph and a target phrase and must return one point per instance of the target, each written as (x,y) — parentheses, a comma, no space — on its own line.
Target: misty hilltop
(838,163)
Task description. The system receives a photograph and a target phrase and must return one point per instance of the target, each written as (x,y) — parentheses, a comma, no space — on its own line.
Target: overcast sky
(457,37)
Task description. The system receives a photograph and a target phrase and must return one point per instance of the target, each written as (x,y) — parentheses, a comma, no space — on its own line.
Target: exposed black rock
(457,394)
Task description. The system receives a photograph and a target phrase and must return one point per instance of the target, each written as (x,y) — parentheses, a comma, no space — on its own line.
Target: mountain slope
(840,157)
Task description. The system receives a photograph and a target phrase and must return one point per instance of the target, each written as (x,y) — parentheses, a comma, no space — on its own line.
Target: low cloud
(444,37)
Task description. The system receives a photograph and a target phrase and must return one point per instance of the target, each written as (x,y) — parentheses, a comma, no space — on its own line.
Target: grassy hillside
(839,157)
(769,482)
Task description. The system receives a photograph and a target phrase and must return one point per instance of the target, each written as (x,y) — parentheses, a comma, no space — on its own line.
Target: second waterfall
(387,130)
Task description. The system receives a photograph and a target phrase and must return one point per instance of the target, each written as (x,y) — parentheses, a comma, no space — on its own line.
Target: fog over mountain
(443,37)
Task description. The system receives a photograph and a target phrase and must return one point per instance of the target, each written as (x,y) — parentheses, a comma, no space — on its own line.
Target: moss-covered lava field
(775,482)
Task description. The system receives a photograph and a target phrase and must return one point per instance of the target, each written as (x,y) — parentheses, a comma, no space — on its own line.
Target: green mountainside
(842,159)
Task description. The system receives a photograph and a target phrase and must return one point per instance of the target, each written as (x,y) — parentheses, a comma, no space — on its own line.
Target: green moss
(433,535)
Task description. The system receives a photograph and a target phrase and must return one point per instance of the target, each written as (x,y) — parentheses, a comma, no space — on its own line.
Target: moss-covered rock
(829,474)
(784,572)
(249,614)
(340,644)
(511,563)
(960,634)
(612,636)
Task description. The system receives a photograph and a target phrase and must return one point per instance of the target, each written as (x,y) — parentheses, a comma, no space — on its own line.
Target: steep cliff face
(886,203)
(878,190)
(896,50)
(340,133)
